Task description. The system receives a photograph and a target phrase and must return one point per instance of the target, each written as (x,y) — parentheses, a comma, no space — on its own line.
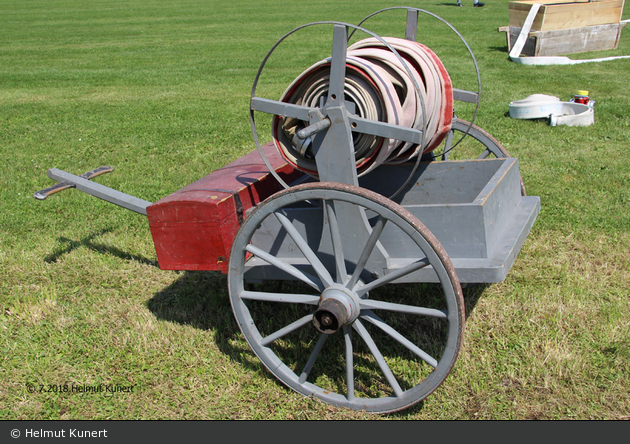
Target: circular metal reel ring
(474,60)
(354,28)
(493,146)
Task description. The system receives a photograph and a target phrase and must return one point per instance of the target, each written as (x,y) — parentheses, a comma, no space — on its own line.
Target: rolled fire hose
(379,87)
(541,106)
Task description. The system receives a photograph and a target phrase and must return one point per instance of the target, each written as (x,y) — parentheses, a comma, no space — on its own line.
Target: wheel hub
(338,306)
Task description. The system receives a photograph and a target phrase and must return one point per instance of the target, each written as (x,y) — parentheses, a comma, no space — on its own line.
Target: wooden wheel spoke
(308,253)
(347,336)
(387,372)
(367,251)
(335,234)
(286,330)
(375,320)
(280,297)
(417,265)
(312,358)
(272,260)
(372,304)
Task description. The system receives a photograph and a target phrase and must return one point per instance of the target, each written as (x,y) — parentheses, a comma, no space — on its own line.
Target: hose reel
(378,86)
(373,79)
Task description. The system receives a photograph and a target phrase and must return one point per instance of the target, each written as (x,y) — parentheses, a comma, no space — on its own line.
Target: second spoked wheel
(333,324)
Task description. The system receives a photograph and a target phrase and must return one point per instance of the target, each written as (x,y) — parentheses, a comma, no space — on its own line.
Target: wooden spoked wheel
(338,328)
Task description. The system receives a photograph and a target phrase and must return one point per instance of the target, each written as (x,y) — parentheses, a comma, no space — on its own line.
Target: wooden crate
(566,26)
(567,41)
(566,14)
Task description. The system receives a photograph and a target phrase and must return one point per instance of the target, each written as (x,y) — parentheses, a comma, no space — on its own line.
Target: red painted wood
(194,227)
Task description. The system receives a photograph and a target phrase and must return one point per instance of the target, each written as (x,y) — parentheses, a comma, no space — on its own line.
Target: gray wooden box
(473,207)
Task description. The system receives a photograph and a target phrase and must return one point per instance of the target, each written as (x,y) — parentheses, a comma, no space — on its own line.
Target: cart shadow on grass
(69,245)
(200,299)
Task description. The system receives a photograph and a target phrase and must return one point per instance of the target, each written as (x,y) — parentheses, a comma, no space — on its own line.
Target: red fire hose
(379,87)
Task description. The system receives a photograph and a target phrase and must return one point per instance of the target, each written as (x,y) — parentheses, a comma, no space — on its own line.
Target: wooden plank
(526,4)
(569,41)
(517,18)
(567,15)
(597,40)
(580,19)
(583,7)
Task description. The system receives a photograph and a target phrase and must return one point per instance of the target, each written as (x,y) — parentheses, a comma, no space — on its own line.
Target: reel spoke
(338,65)
(280,108)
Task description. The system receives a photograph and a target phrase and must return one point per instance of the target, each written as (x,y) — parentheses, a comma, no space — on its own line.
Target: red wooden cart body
(193,228)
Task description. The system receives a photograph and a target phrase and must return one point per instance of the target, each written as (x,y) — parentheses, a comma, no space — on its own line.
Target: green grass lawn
(160,91)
